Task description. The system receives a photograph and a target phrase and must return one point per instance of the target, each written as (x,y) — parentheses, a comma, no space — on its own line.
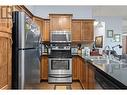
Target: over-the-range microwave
(60,36)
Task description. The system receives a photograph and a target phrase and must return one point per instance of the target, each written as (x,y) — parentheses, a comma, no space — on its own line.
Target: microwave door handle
(66,37)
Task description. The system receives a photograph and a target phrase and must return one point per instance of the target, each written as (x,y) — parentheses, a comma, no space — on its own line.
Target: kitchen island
(110,74)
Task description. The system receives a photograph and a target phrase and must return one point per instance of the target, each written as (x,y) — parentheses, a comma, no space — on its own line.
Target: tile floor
(47,86)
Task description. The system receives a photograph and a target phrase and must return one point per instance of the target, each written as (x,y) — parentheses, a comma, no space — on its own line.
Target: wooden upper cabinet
(60,22)
(46,30)
(82,30)
(22,8)
(87,30)
(39,22)
(44,27)
(6,19)
(76,30)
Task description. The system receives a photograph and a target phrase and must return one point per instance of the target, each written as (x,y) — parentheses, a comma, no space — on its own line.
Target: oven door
(60,66)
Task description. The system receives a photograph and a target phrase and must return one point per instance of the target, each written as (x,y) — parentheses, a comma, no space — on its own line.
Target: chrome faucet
(109,50)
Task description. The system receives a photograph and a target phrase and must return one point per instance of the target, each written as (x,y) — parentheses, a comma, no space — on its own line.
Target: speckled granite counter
(117,70)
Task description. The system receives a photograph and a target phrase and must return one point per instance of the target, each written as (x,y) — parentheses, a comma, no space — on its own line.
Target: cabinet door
(76,30)
(91,77)
(46,34)
(74,68)
(87,31)
(55,23)
(5,60)
(44,68)
(83,77)
(65,23)
(60,22)
(39,22)
(5,53)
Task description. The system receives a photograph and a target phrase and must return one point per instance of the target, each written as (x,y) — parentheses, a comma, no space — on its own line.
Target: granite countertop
(114,68)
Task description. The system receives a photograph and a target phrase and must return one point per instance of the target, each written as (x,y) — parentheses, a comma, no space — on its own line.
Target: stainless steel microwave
(60,36)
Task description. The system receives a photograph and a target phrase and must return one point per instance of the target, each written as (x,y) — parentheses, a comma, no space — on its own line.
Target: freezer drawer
(29,67)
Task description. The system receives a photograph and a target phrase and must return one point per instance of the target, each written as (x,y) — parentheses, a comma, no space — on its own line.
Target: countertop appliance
(60,64)
(25,51)
(60,36)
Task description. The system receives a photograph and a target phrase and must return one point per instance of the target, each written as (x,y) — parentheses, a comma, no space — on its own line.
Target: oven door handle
(60,76)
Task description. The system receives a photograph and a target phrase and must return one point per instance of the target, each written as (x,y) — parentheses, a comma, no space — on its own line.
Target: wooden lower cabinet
(5,60)
(84,72)
(44,68)
(5,53)
(84,75)
(90,77)
(74,68)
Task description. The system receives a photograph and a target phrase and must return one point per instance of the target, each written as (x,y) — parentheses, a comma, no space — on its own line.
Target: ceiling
(96,10)
(109,10)
(83,11)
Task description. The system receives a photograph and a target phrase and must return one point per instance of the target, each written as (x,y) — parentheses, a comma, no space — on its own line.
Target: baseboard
(79,82)
(43,80)
(5,87)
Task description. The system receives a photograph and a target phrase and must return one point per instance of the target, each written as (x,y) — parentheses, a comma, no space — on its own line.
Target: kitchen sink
(100,61)
(105,61)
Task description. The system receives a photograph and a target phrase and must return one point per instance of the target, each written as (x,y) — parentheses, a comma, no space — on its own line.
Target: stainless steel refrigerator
(25,51)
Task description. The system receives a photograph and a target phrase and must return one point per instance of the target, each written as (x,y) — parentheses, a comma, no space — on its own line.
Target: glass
(60,64)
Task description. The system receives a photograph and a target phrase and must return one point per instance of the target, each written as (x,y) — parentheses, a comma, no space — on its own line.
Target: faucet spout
(107,51)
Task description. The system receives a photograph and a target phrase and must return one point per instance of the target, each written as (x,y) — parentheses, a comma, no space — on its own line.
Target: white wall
(111,23)
(99,31)
(81,12)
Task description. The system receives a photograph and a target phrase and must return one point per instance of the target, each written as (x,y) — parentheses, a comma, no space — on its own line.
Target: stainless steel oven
(60,70)
(60,63)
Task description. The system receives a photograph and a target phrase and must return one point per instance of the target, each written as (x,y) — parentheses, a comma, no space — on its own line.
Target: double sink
(103,60)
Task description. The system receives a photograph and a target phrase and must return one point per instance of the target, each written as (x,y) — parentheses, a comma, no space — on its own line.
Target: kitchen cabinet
(60,22)
(87,30)
(46,33)
(84,72)
(76,30)
(40,23)
(79,60)
(88,76)
(75,68)
(44,28)
(22,8)
(91,76)
(44,68)
(5,53)
(5,62)
(82,30)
